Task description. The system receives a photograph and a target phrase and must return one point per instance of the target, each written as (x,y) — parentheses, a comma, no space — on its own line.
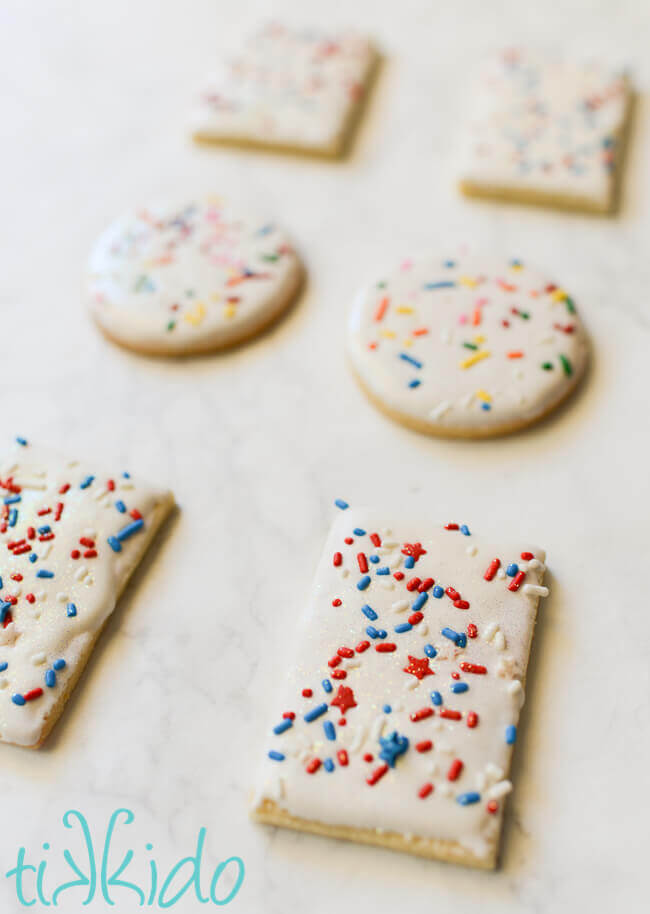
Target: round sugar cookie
(175,280)
(471,347)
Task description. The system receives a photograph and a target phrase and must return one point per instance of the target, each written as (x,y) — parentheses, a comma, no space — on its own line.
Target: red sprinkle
(368,757)
(59,510)
(313,766)
(386,647)
(30,597)
(527,556)
(75,554)
(375,539)
(413,584)
(338,558)
(472,719)
(307,693)
(492,806)
(399,575)
(334,661)
(516,582)
(476,668)
(90,554)
(110,485)
(339,674)
(426,584)
(472,630)
(415,617)
(348,540)
(425,790)
(454,769)
(424,746)
(135,514)
(452,594)
(363,563)
(31,533)
(448,714)
(422,714)
(455,675)
(336,602)
(345,652)
(377,774)
(451,526)
(289,715)
(16,577)
(461,604)
(64,488)
(362,646)
(86,541)
(492,569)
(32,694)
(342,756)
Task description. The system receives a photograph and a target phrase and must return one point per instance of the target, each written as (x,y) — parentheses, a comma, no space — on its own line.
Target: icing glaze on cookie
(70,536)
(545,126)
(288,88)
(401,709)
(192,277)
(468,346)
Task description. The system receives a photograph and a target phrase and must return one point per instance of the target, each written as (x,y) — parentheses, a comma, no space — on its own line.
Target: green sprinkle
(171,325)
(566,365)
(571,308)
(382,284)
(470,346)
(270,258)
(524,314)
(547,366)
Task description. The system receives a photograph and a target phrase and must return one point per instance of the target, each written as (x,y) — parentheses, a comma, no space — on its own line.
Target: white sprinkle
(498,790)
(471,550)
(38,658)
(490,630)
(501,574)
(412,683)
(536,590)
(81,573)
(500,641)
(446,790)
(494,772)
(46,551)
(438,411)
(400,606)
(423,628)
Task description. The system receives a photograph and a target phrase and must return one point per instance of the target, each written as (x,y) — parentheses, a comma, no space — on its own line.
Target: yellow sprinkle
(468,281)
(516,266)
(558,295)
(474,358)
(196,316)
(229,311)
(479,338)
(484,395)
(388,334)
(404,309)
(408,342)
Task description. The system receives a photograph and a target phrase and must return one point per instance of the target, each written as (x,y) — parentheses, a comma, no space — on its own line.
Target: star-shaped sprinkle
(392,747)
(344,699)
(419,668)
(413,549)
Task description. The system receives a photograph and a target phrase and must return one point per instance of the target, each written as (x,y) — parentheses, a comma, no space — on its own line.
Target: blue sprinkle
(409,358)
(383,570)
(466,799)
(373,558)
(50,679)
(18,699)
(129,530)
(363,583)
(32,557)
(328,764)
(438,591)
(341,504)
(13,517)
(1,584)
(414,383)
(512,570)
(22,441)
(381,633)
(486,407)
(369,612)
(409,561)
(126,475)
(443,284)
(329,730)
(115,545)
(464,529)
(451,634)
(315,712)
(430,651)
(403,627)
(359,532)
(511,734)
(372,632)
(3,666)
(449,264)
(461,641)
(5,606)
(88,481)
(12,499)
(71,610)
(419,603)
(459,687)
(327,685)
(276,756)
(436,698)
(285,724)
(121,507)
(44,529)
(59,664)
(42,573)
(387,709)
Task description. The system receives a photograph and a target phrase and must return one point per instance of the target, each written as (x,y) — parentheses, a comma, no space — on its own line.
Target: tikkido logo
(99,876)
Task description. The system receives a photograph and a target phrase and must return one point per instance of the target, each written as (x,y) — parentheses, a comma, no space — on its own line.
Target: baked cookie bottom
(269,813)
(162,511)
(445,431)
(255,327)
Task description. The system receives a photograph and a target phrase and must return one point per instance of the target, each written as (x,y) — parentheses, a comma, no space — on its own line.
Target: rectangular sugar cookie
(288,89)
(70,537)
(397,722)
(546,131)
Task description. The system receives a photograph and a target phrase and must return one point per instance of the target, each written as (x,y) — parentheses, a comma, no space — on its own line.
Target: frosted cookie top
(539,125)
(470,346)
(287,87)
(407,686)
(70,536)
(194,276)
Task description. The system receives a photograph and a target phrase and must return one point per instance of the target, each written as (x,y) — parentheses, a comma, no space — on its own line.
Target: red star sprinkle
(344,699)
(419,668)
(414,549)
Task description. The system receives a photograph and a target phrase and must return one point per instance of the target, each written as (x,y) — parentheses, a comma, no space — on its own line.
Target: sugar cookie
(546,131)
(298,91)
(175,280)
(70,537)
(471,348)
(397,722)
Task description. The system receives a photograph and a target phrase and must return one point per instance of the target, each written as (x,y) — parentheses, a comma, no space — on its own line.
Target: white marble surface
(173,711)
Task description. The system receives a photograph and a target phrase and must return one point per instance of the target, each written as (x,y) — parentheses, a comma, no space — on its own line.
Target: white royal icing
(194,276)
(288,88)
(468,345)
(545,125)
(330,645)
(50,511)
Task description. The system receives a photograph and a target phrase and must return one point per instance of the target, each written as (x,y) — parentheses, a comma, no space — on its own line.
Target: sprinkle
(71,610)
(472,719)
(341,504)
(515,584)
(438,591)
(430,651)
(409,358)
(342,757)
(424,745)
(381,309)
(454,770)
(442,284)
(313,766)
(386,648)
(329,730)
(474,358)
(511,734)
(50,679)
(422,714)
(285,724)
(377,774)
(403,627)
(59,664)
(328,765)
(18,699)
(459,687)
(436,698)
(425,790)
(466,799)
(315,712)
(276,756)
(363,583)
(42,573)
(475,668)
(492,569)
(566,366)
(327,685)
(369,612)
